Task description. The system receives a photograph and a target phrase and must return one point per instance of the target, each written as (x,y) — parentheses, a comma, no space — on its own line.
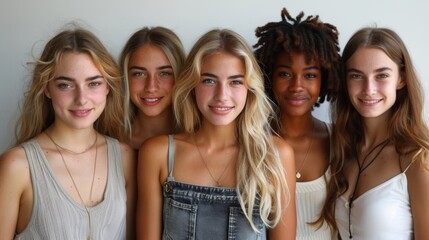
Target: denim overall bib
(200,212)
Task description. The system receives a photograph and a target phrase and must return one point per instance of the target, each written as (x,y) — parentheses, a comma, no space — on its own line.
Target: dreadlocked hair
(315,39)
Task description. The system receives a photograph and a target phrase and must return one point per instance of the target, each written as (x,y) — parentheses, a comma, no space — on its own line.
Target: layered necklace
(298,171)
(87,208)
(362,167)
(216,180)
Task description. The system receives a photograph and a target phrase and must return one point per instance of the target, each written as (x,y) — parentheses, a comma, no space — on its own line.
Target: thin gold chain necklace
(208,170)
(298,171)
(71,151)
(89,236)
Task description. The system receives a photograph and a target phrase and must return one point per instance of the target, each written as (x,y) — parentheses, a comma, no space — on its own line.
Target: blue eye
(138,74)
(64,86)
(237,82)
(208,81)
(95,84)
(165,74)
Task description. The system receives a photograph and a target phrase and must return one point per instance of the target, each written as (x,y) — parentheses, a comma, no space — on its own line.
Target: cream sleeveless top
(56,215)
(310,197)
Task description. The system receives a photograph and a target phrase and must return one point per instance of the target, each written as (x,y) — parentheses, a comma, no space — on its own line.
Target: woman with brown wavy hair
(380,172)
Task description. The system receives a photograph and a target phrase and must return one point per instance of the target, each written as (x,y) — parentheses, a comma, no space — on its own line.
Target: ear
(401,83)
(47,93)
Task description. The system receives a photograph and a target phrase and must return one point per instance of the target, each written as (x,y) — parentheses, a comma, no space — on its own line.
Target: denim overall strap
(170,157)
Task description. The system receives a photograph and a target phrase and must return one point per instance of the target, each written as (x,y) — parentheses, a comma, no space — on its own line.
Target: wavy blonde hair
(37,113)
(260,173)
(161,37)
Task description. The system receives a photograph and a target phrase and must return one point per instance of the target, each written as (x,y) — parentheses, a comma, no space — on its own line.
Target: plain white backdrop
(26,26)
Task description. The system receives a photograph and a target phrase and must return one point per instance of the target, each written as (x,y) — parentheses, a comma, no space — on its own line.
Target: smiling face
(221,93)
(296,84)
(151,80)
(78,91)
(372,81)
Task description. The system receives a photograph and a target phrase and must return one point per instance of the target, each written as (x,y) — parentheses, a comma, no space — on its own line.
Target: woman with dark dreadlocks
(300,59)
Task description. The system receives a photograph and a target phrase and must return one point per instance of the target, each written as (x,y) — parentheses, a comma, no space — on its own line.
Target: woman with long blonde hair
(225,176)
(68,177)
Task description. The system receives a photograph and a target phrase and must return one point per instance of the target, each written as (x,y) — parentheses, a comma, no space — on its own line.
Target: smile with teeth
(220,109)
(151,99)
(371,101)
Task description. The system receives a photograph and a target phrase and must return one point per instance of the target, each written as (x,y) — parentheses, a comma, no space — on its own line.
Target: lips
(370,101)
(81,112)
(221,109)
(296,100)
(151,101)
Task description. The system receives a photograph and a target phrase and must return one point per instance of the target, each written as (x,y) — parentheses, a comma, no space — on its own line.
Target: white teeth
(370,101)
(151,99)
(222,109)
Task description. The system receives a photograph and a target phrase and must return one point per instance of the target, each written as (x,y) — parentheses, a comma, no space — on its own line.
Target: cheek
(279,87)
(136,85)
(168,85)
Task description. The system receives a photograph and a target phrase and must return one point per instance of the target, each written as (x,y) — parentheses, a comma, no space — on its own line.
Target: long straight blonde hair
(260,173)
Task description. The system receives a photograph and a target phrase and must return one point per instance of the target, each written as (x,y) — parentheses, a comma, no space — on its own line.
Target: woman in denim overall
(225,176)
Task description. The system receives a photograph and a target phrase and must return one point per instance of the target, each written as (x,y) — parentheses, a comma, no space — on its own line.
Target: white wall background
(26,26)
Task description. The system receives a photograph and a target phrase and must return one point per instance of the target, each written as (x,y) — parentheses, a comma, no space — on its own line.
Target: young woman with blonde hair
(226,176)
(68,177)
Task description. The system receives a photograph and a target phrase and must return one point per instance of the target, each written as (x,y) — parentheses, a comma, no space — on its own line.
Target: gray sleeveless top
(56,215)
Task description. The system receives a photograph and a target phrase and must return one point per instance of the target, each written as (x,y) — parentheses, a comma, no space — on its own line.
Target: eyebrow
(145,69)
(290,67)
(382,69)
(72,79)
(230,77)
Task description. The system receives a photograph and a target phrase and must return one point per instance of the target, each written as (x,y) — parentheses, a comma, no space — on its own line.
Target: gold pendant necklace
(88,211)
(298,171)
(208,170)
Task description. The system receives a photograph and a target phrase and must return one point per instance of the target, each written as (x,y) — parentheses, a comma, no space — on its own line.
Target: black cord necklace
(362,168)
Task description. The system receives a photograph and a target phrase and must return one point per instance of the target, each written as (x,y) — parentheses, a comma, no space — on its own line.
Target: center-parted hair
(260,174)
(37,113)
(161,37)
(316,39)
(407,128)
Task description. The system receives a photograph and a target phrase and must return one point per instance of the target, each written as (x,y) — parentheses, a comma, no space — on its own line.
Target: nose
(296,83)
(81,96)
(369,86)
(221,92)
(151,83)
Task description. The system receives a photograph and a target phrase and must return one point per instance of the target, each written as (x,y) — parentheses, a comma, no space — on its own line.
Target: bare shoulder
(154,146)
(284,148)
(128,153)
(14,163)
(418,176)
(13,159)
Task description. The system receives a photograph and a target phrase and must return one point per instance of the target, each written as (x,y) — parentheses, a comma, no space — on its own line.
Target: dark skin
(296,85)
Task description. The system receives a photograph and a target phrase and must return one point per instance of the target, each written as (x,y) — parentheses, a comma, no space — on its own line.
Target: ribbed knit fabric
(310,197)
(56,215)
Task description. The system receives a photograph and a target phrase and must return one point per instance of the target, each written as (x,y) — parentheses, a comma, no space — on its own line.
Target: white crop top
(382,213)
